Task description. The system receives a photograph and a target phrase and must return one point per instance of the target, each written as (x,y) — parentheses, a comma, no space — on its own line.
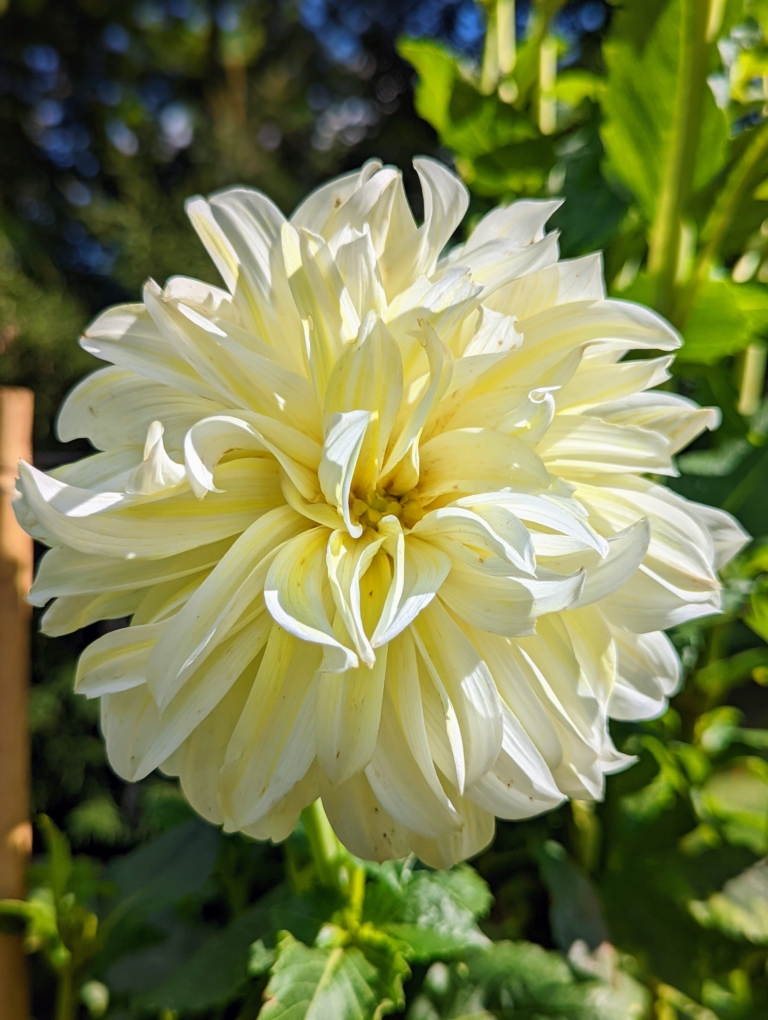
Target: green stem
(723,213)
(677,176)
(66,995)
(325,848)
(505,28)
(489,74)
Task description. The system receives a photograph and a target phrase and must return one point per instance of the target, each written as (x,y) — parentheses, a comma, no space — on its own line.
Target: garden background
(649,118)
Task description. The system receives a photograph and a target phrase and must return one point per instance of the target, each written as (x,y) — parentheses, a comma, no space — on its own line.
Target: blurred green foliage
(650,120)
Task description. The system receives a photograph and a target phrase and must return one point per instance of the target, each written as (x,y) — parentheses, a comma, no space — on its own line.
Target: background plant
(650,119)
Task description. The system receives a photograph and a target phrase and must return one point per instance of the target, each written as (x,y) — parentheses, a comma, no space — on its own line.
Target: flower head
(380,518)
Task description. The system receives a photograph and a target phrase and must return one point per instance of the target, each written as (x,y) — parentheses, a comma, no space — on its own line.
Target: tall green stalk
(66,995)
(677,176)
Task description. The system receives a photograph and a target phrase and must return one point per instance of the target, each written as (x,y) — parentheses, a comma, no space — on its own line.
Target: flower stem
(325,847)
(742,176)
(489,73)
(66,995)
(677,175)
(507,42)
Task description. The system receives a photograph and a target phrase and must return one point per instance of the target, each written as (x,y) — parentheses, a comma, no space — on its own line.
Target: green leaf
(519,979)
(317,984)
(641,56)
(575,911)
(735,800)
(498,149)
(722,675)
(218,970)
(740,910)
(173,866)
(432,913)
(724,319)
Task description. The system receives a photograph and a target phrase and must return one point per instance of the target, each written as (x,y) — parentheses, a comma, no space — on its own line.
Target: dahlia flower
(380,518)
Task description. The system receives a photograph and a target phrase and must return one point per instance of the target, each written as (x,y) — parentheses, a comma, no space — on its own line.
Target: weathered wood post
(16,406)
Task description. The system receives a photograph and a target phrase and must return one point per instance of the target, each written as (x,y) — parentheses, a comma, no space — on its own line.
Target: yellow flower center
(372,506)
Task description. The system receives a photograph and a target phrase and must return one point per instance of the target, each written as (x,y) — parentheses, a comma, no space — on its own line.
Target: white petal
(419,571)
(464,679)
(626,553)
(347,719)
(477,460)
(208,441)
(497,533)
(315,211)
(578,445)
(140,737)
(348,560)
(65,571)
(356,259)
(329,317)
(72,612)
(198,760)
(362,824)
(507,605)
(596,383)
(341,450)
(294,592)
(157,471)
(495,334)
(445,202)
(113,524)
(114,407)
(368,377)
(127,336)
(402,774)
(520,783)
(273,743)
(217,606)
(649,672)
(116,661)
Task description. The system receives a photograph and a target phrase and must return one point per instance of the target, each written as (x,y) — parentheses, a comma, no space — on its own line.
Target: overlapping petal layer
(380,519)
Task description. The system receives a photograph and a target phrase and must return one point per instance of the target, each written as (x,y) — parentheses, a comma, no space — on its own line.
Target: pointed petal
(341,451)
(455,665)
(230,591)
(273,743)
(418,572)
(116,525)
(295,590)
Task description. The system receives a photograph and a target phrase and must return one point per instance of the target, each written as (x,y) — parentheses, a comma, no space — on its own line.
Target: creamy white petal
(402,774)
(114,524)
(114,407)
(273,744)
(66,571)
(229,591)
(478,460)
(296,592)
(315,211)
(71,612)
(465,681)
(338,463)
(418,572)
(116,661)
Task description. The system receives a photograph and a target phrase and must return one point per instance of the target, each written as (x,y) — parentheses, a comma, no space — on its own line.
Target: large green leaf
(320,984)
(641,57)
(518,979)
(741,908)
(219,969)
(432,913)
(575,911)
(498,149)
(169,868)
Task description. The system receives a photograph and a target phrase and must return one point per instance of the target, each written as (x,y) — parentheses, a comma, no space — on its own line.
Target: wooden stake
(15,578)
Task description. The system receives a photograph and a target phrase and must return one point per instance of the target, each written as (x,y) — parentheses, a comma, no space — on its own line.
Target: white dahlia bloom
(380,519)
